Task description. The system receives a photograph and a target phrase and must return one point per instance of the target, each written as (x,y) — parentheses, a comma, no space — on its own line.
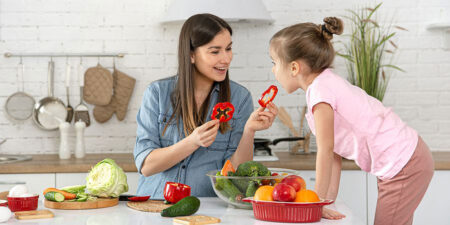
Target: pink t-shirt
(364,130)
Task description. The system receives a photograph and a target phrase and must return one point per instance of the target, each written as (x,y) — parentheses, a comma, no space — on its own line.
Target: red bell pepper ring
(268,96)
(223,111)
(139,198)
(174,192)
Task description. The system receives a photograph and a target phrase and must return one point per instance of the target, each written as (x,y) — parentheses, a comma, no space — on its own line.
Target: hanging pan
(48,108)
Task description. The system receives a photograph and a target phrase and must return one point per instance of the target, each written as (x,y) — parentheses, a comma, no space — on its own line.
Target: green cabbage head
(106,179)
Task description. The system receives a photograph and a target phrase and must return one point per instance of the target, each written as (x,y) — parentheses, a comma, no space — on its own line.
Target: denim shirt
(153,115)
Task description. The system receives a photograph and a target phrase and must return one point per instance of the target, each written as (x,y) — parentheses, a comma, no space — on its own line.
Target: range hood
(229,10)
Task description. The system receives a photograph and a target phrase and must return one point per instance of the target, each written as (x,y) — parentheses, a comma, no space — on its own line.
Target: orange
(305,195)
(264,193)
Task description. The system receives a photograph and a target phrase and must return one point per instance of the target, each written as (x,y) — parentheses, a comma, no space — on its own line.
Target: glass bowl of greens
(239,185)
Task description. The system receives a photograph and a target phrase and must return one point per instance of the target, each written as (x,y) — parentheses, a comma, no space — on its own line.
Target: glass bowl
(233,189)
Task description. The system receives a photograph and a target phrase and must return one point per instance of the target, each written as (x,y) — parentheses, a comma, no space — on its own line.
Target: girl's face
(282,73)
(212,60)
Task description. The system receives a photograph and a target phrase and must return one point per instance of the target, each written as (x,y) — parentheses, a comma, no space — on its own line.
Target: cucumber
(241,184)
(251,189)
(185,207)
(232,191)
(54,196)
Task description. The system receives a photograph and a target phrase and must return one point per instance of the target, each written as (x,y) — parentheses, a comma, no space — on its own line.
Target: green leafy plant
(366,52)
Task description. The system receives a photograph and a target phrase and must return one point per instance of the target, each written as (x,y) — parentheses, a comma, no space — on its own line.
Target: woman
(176,139)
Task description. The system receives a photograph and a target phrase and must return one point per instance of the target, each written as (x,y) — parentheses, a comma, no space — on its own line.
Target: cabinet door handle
(312,179)
(13,182)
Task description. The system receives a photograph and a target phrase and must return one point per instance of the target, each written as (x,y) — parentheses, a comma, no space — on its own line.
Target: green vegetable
(54,196)
(252,169)
(230,190)
(74,189)
(106,179)
(241,184)
(251,189)
(82,197)
(185,207)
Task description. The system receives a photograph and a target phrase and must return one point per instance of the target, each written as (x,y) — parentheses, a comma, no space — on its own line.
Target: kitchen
(420,96)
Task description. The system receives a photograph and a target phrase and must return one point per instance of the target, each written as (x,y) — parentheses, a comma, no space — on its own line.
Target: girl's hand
(205,134)
(260,119)
(331,214)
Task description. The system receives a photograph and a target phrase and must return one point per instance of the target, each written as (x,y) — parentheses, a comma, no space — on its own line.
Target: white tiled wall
(421,96)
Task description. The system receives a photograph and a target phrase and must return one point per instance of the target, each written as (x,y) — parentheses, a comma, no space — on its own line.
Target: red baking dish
(287,212)
(23,203)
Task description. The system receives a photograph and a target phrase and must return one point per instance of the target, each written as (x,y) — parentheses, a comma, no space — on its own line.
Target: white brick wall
(421,96)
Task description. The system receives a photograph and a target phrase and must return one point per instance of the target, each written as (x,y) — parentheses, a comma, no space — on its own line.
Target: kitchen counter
(52,164)
(215,207)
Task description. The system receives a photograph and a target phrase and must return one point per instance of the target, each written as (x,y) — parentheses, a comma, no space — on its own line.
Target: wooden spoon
(283,115)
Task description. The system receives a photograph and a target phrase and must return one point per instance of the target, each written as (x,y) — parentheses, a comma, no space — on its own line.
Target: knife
(125,198)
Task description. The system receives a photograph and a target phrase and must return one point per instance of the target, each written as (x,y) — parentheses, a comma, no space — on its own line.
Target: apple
(295,181)
(283,193)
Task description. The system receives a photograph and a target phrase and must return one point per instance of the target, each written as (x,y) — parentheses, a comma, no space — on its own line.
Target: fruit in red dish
(295,181)
(283,193)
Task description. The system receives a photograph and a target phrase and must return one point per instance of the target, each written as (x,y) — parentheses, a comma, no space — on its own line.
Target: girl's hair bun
(331,26)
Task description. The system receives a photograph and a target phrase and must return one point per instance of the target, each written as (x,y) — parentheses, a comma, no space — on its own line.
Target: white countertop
(121,214)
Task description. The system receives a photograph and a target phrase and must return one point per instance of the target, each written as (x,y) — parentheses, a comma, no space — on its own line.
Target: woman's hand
(260,119)
(331,214)
(205,134)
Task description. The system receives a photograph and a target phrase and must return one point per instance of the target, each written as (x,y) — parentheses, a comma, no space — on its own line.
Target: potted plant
(366,52)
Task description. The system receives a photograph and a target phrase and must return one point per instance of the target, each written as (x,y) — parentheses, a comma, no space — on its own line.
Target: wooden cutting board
(4,195)
(35,214)
(95,204)
(149,206)
(196,220)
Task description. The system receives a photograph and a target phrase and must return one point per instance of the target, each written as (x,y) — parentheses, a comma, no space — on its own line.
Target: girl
(175,139)
(351,124)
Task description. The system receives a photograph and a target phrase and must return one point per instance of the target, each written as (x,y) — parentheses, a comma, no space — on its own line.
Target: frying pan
(262,143)
(54,106)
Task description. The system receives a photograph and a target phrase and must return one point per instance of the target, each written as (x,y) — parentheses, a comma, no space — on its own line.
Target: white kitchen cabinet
(372,195)
(69,179)
(434,207)
(36,183)
(352,189)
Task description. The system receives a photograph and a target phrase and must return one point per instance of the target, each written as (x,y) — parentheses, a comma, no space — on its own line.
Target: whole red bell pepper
(268,96)
(223,111)
(174,192)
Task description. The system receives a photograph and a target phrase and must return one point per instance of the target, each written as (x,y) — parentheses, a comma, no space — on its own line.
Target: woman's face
(212,60)
(282,72)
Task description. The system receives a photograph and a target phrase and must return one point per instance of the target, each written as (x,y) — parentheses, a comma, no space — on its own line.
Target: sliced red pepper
(268,96)
(139,198)
(174,192)
(223,111)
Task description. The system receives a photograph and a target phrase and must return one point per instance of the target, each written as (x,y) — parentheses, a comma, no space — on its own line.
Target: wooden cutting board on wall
(95,204)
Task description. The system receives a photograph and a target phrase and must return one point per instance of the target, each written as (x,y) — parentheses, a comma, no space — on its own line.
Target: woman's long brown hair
(198,30)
